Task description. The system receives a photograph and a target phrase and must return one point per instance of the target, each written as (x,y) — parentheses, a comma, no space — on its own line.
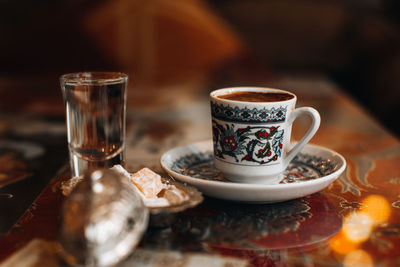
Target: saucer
(313,169)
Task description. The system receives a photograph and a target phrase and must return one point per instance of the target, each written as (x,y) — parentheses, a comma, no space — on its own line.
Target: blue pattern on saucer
(304,167)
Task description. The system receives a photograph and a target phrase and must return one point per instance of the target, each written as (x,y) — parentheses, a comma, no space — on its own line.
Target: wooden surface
(355,220)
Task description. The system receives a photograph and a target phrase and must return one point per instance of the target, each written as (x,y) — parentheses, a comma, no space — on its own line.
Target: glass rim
(93,77)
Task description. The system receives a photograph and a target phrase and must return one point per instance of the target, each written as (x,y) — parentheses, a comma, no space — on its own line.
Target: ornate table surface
(356,219)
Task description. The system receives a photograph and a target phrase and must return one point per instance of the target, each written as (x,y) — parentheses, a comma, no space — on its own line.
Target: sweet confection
(148,182)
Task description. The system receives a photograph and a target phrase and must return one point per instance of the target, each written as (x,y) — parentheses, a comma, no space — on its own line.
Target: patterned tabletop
(354,220)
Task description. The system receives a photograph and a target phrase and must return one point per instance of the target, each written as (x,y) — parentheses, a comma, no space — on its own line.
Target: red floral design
(230,142)
(257,144)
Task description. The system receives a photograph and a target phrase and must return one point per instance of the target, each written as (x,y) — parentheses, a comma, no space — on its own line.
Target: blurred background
(160,43)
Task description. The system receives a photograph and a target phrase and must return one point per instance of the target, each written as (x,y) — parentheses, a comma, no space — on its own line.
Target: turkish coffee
(256,96)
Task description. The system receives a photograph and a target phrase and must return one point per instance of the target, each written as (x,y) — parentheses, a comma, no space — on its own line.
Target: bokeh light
(358,258)
(341,245)
(357,228)
(377,208)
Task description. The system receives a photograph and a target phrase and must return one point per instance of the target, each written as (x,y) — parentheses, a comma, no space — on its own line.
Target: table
(355,220)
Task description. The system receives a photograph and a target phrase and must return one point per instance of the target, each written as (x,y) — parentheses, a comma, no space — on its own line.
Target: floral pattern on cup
(257,144)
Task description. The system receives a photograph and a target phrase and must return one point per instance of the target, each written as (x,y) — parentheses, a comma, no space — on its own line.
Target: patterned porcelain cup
(251,139)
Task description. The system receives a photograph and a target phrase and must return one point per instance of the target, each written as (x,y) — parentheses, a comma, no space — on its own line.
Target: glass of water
(95,106)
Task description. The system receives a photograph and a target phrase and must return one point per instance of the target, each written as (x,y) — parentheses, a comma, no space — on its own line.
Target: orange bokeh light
(358,226)
(340,244)
(358,258)
(377,208)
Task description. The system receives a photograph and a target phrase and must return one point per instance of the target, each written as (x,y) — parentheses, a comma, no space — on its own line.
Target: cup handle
(316,120)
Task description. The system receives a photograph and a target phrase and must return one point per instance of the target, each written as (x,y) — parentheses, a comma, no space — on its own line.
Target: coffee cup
(251,132)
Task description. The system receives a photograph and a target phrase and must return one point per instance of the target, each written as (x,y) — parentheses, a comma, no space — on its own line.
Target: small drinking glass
(95,106)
